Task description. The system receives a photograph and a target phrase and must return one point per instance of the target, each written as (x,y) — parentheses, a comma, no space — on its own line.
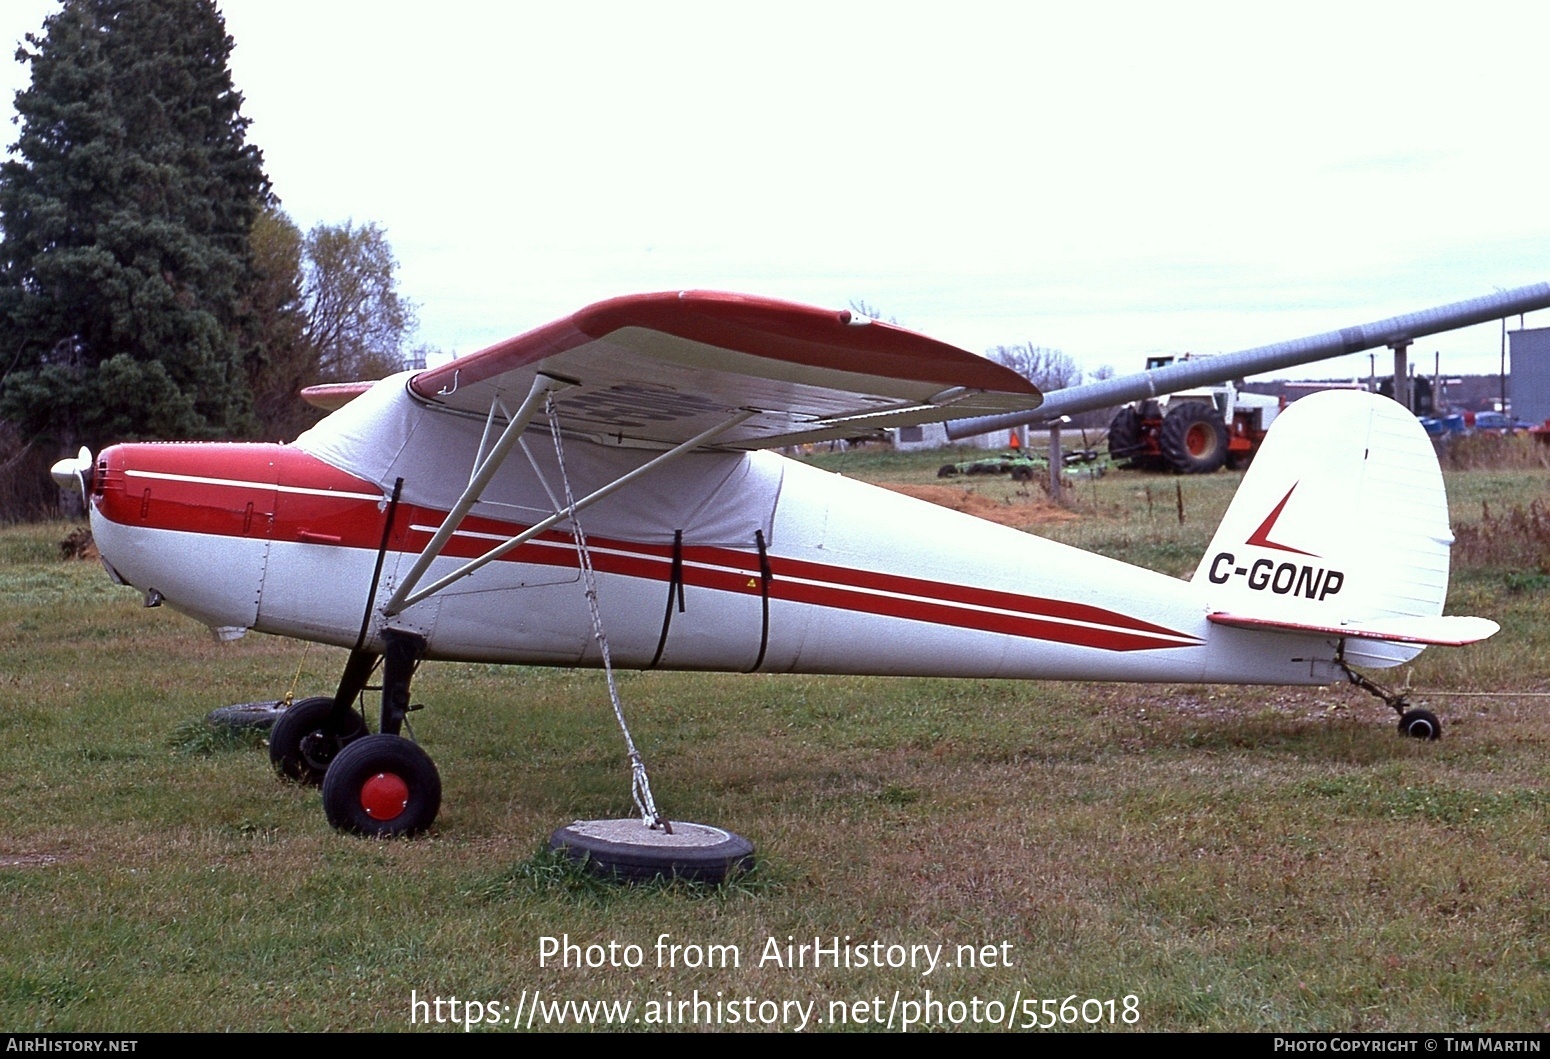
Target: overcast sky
(1108,179)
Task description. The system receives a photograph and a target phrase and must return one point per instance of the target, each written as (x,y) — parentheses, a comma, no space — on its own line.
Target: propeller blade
(77,470)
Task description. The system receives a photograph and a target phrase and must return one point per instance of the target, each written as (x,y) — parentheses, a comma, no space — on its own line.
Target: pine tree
(126,268)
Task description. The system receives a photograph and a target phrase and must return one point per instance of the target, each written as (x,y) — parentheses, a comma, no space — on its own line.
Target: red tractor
(1193,432)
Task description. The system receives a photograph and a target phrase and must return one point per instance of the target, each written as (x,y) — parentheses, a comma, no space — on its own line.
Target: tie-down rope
(640,785)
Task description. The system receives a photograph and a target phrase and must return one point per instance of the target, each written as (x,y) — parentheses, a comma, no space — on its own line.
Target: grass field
(1230,858)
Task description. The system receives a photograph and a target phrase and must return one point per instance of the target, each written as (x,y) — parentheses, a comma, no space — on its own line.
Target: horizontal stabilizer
(1451,631)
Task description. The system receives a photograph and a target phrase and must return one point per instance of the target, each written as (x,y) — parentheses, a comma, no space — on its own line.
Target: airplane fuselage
(725,561)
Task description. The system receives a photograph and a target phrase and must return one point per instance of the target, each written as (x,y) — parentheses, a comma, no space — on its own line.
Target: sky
(1110,179)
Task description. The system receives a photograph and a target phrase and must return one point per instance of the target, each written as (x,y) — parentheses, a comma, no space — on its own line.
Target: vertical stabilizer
(1341,519)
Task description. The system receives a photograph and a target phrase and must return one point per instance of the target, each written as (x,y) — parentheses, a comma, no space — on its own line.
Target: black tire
(1194,438)
(246,715)
(1125,434)
(1022,473)
(947,470)
(1420,724)
(301,744)
(382,786)
(627,851)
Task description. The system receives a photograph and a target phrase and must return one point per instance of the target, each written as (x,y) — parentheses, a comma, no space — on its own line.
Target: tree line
(151,286)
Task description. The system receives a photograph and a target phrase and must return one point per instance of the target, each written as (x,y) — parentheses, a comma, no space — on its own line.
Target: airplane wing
(659,369)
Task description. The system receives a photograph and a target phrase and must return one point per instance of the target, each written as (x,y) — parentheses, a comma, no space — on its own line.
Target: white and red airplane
(431,515)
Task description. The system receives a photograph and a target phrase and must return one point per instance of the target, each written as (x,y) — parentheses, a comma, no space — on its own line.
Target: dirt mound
(1033,511)
(79,545)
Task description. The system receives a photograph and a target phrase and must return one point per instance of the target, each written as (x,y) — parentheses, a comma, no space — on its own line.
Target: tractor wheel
(1194,438)
(1125,434)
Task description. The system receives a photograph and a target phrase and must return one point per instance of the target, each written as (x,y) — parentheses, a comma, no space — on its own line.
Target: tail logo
(1260,538)
(1310,582)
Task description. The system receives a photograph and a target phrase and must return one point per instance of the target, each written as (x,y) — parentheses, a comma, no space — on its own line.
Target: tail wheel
(383,786)
(1420,724)
(305,739)
(1194,438)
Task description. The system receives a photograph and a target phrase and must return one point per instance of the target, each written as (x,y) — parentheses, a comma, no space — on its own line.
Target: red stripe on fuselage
(225,490)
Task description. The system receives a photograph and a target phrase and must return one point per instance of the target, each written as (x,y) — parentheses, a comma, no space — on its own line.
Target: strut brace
(406,596)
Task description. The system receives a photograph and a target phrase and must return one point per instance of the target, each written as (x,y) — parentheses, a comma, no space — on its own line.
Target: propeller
(77,470)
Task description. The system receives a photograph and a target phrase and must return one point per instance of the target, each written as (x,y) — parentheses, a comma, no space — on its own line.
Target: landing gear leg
(401,657)
(357,671)
(1418,724)
(384,785)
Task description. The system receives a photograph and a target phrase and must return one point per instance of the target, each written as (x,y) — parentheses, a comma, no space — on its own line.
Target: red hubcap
(384,796)
(1198,440)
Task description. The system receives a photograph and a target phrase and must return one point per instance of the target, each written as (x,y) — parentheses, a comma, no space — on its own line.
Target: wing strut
(483,471)
(406,597)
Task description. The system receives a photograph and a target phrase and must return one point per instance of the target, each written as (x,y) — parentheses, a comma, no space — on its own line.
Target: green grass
(1234,858)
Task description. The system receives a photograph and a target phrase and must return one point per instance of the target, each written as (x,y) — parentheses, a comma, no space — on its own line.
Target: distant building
(934,436)
(1530,349)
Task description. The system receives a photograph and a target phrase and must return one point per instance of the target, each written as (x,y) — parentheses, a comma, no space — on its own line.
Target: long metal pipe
(1205,371)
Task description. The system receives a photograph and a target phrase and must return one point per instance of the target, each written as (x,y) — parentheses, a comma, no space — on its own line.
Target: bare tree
(861,307)
(326,308)
(1046,368)
(356,321)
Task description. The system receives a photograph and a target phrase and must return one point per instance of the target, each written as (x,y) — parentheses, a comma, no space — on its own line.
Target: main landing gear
(377,785)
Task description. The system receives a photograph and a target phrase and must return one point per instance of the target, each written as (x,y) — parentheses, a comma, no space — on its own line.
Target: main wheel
(383,786)
(947,470)
(1420,724)
(1125,434)
(1022,472)
(1194,438)
(302,742)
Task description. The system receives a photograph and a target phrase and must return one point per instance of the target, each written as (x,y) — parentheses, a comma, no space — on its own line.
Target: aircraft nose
(188,523)
(94,481)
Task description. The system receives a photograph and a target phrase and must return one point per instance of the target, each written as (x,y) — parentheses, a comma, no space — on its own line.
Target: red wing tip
(332,396)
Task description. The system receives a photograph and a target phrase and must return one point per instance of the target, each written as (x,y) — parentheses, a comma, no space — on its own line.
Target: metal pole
(1203,371)
(1503,374)
(1402,375)
(1054,462)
